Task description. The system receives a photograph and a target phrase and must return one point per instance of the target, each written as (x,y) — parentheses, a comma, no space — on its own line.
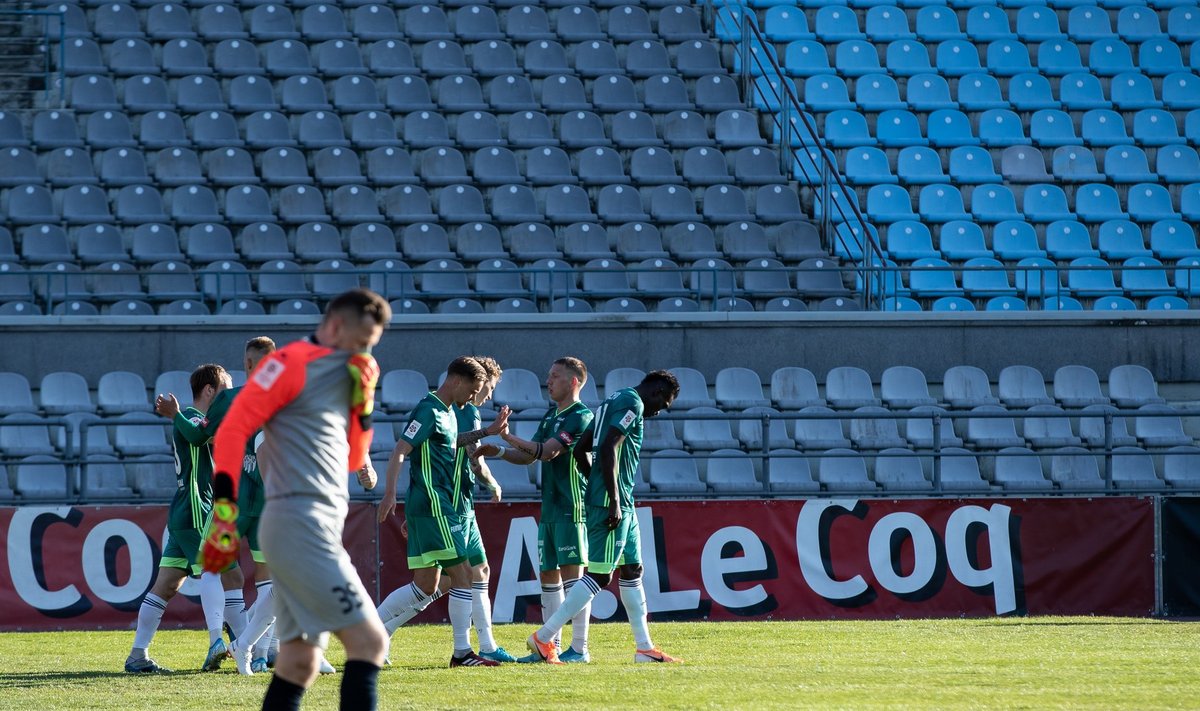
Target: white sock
(579,623)
(580,597)
(262,615)
(552,598)
(481,616)
(403,605)
(149,616)
(460,620)
(272,640)
(633,597)
(235,611)
(212,600)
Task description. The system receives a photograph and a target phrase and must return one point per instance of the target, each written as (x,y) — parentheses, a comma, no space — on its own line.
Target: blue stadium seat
(1052,128)
(1015,240)
(1091,277)
(1126,165)
(1181,24)
(1113,303)
(927,92)
(1006,303)
(907,58)
(775,204)
(1167,303)
(910,240)
(986,278)
(993,203)
(1104,127)
(846,129)
(1159,57)
(1058,57)
(1136,23)
(1046,203)
(898,128)
(565,204)
(1007,58)
(932,278)
(1155,127)
(937,23)
(918,165)
(949,128)
(94,93)
(956,58)
(1110,57)
(941,203)
(1119,240)
(701,58)
(443,58)
(825,93)
(1150,203)
(873,92)
(1173,239)
(1075,164)
(1030,92)
(1088,24)
(836,24)
(887,203)
(987,24)
(1098,203)
(1067,240)
(390,58)
(960,240)
(1080,92)
(867,166)
(854,58)
(972,165)
(806,58)
(1179,91)
(1132,91)
(752,166)
(1187,277)
(1001,127)
(782,23)
(1037,277)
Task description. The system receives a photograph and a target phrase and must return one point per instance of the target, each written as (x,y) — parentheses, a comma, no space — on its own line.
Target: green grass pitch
(1031,663)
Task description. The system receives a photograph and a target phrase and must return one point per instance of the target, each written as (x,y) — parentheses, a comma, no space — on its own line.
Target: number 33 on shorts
(347,597)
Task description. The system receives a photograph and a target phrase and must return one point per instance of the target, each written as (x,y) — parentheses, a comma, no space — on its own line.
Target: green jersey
(563,486)
(250,498)
(433,434)
(463,495)
(192,504)
(622,411)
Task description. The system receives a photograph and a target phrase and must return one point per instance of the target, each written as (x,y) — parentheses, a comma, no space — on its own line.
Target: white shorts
(317,590)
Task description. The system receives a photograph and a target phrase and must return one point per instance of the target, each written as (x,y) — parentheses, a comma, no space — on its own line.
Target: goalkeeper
(313,399)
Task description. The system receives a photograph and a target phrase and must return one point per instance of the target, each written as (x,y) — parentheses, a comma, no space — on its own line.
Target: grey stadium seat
(965,386)
(1078,386)
(844,470)
(674,471)
(707,433)
(140,433)
(1049,432)
(1020,468)
(992,432)
(15,394)
(819,433)
(730,471)
(739,388)
(848,387)
(794,388)
(120,392)
(1022,386)
(899,469)
(904,387)
(1132,386)
(41,477)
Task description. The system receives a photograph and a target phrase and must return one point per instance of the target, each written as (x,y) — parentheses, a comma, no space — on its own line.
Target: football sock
(282,695)
(460,620)
(481,616)
(552,598)
(262,614)
(149,616)
(579,623)
(212,600)
(235,612)
(358,685)
(580,597)
(633,597)
(406,603)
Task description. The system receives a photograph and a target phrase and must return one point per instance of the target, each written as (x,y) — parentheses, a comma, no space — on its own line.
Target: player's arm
(582,451)
(387,505)
(536,451)
(608,469)
(499,425)
(484,474)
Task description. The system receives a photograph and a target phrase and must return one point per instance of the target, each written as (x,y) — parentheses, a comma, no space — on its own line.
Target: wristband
(500,454)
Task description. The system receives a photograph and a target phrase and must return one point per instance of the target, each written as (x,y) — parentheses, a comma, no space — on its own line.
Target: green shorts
(436,540)
(474,552)
(247,527)
(608,549)
(182,550)
(562,542)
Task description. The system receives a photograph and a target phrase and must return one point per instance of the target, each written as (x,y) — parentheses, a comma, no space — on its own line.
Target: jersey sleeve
(193,429)
(217,411)
(624,413)
(573,427)
(276,381)
(419,427)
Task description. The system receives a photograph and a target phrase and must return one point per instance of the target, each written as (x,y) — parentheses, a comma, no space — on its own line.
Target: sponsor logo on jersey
(413,428)
(249,462)
(198,421)
(267,373)
(566,438)
(628,419)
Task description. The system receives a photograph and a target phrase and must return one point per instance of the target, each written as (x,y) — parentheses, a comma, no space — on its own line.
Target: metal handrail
(872,287)
(48,39)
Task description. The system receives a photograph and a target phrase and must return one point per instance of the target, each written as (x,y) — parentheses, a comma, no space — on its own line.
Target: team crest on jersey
(566,438)
(249,462)
(266,374)
(198,421)
(628,419)
(413,428)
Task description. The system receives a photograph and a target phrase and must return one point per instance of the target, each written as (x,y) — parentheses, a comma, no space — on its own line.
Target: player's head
(493,378)
(208,380)
(465,377)
(658,390)
(256,349)
(567,376)
(354,320)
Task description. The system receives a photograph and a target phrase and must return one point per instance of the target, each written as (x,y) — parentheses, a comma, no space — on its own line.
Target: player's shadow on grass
(30,680)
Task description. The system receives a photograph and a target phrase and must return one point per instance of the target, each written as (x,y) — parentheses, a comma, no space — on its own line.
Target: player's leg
(249,651)
(366,645)
(552,587)
(578,651)
(459,572)
(212,597)
(481,603)
(150,613)
(633,597)
(233,582)
(603,547)
(428,543)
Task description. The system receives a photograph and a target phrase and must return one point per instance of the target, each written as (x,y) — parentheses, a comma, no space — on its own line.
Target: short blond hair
(491,365)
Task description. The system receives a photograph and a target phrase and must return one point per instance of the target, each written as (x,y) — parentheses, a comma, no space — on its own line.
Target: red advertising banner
(87,567)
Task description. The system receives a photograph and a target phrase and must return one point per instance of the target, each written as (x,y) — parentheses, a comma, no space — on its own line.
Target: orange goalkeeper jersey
(314,405)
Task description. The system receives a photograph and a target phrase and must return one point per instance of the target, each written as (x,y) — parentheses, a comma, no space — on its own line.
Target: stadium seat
(707,434)
(1133,468)
(1132,386)
(1180,466)
(1104,127)
(843,469)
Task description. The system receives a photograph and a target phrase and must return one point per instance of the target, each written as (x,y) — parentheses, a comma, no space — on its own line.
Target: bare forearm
(467,439)
(395,463)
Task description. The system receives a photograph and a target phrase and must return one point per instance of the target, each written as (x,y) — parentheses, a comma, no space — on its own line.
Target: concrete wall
(1166,344)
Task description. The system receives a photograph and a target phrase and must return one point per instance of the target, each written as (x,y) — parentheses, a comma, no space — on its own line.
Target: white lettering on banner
(21,565)
(809,545)
(714,568)
(925,554)
(522,541)
(141,561)
(657,599)
(1002,574)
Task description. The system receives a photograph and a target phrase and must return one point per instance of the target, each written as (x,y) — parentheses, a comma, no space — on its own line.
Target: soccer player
(403,604)
(250,500)
(437,535)
(187,519)
(313,400)
(613,537)
(562,537)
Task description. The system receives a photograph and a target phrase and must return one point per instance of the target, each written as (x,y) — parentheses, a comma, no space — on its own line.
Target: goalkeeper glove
(220,547)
